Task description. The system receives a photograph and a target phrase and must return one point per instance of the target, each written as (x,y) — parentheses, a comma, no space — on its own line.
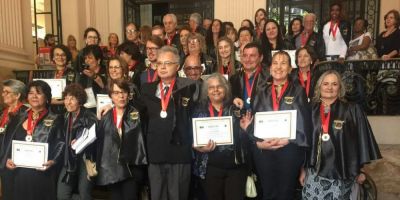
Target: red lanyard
(324,120)
(211,110)
(132,67)
(31,128)
(334,28)
(149,79)
(228,71)
(275,99)
(165,100)
(71,120)
(60,74)
(115,119)
(4,119)
(307,87)
(304,38)
(249,88)
(169,39)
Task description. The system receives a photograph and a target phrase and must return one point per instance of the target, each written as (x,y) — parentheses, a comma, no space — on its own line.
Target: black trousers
(225,184)
(7,184)
(278,171)
(125,190)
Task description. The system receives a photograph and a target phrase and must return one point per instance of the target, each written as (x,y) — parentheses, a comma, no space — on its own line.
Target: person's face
(60,59)
(127,58)
(309,23)
(113,39)
(51,41)
(131,32)
(193,68)
(231,35)
(9,97)
(224,49)
(167,66)
(261,25)
(184,34)
(36,98)
(330,86)
(245,23)
(115,70)
(216,27)
(259,16)
(194,45)
(216,91)
(92,38)
(250,59)
(271,31)
(151,51)
(119,97)
(71,103)
(71,42)
(280,68)
(358,26)
(91,61)
(304,59)
(192,24)
(158,32)
(169,24)
(245,38)
(296,26)
(206,23)
(335,12)
(390,20)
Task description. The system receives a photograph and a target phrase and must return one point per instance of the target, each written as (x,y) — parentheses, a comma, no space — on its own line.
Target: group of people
(157,85)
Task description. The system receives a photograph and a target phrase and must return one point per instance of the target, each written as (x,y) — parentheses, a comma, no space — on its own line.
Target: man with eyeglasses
(192,68)
(171,37)
(150,74)
(169,103)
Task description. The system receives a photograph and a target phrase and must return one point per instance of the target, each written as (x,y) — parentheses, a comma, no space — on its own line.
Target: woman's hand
(10,164)
(103,111)
(246,120)
(238,102)
(269,144)
(208,148)
(302,176)
(361,178)
(73,142)
(47,165)
(88,73)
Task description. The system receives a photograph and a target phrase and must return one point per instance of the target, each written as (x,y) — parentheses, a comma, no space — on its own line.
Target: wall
(387,5)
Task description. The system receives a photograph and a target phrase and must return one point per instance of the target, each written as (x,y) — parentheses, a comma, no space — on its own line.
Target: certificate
(91,100)
(275,124)
(29,154)
(217,129)
(292,54)
(102,100)
(88,137)
(57,87)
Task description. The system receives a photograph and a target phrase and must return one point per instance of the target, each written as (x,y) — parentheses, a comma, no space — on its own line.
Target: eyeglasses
(193,41)
(151,48)
(5,92)
(192,68)
(166,63)
(116,93)
(92,37)
(114,67)
(131,31)
(60,55)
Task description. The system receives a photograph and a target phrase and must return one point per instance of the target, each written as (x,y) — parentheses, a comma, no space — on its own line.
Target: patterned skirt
(321,188)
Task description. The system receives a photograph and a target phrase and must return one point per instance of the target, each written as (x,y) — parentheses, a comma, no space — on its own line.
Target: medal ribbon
(149,78)
(165,99)
(249,88)
(211,110)
(169,39)
(222,71)
(275,99)
(307,87)
(4,119)
(31,127)
(133,66)
(324,120)
(59,74)
(304,38)
(334,28)
(71,120)
(115,119)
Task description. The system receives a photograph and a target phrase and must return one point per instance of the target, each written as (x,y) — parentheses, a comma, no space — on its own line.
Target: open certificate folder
(88,137)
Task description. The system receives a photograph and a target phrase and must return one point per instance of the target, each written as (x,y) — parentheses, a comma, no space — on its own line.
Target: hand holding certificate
(217,129)
(275,124)
(29,154)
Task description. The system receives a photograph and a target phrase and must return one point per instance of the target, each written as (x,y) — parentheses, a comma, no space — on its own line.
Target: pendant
(334,39)
(2,130)
(308,99)
(28,138)
(248,100)
(163,114)
(325,137)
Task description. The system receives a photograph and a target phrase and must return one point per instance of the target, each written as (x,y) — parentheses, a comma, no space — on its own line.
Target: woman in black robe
(341,143)
(37,124)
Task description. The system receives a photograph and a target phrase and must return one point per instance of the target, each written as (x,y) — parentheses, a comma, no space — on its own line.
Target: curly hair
(77,91)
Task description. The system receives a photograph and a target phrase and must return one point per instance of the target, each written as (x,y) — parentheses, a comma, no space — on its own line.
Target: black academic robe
(175,42)
(169,139)
(316,42)
(296,80)
(351,145)
(118,155)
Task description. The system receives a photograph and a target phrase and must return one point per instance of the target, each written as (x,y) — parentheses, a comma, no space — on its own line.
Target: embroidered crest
(236,113)
(134,115)
(48,122)
(338,124)
(70,76)
(185,101)
(289,100)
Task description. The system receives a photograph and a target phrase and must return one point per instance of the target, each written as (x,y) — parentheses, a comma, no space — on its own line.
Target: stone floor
(386,172)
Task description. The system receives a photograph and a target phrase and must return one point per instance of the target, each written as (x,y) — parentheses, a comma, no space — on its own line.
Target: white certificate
(88,137)
(275,124)
(292,54)
(57,87)
(102,100)
(29,154)
(217,129)
(91,100)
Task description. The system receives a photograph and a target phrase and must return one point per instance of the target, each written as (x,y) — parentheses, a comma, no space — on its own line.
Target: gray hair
(196,17)
(310,15)
(173,16)
(225,84)
(317,90)
(17,87)
(170,49)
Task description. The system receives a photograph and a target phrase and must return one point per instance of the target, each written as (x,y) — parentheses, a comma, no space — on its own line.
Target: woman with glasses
(91,37)
(13,95)
(197,47)
(121,154)
(73,175)
(226,62)
(37,124)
